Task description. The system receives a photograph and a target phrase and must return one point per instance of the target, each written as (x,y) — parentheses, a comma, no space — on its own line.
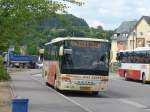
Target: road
(122,96)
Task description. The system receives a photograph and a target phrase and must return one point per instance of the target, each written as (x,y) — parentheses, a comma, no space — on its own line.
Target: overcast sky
(110,13)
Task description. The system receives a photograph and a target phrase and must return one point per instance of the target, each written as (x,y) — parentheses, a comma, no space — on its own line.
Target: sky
(110,13)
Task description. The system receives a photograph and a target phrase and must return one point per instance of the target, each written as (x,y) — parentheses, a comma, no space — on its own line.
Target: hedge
(4,76)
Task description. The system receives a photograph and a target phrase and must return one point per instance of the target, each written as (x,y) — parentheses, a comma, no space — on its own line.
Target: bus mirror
(61,51)
(67,51)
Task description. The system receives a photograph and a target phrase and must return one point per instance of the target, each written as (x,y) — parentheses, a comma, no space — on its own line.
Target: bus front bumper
(73,86)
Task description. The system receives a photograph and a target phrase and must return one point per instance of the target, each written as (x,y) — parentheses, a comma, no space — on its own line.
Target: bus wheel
(126,76)
(95,93)
(143,78)
(46,83)
(55,85)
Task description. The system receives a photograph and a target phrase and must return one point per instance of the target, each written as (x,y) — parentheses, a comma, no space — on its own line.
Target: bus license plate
(85,88)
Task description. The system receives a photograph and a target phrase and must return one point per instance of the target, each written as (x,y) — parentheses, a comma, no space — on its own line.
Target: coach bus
(135,64)
(77,64)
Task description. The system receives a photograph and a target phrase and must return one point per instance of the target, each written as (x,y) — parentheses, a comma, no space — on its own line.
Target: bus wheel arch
(46,83)
(95,93)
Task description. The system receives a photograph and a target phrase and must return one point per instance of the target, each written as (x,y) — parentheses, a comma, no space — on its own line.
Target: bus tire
(95,93)
(46,83)
(144,78)
(55,85)
(125,76)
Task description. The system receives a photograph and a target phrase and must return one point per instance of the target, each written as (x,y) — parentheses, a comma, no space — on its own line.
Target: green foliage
(3,73)
(18,17)
(35,22)
(69,25)
(62,26)
(32,49)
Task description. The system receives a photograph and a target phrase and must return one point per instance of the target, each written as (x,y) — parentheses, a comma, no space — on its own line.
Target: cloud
(143,11)
(103,11)
(110,13)
(95,23)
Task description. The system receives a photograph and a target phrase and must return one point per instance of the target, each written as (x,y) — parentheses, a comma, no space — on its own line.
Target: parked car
(39,65)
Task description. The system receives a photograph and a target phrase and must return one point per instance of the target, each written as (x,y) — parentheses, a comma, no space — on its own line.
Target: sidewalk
(5,97)
(114,76)
(41,98)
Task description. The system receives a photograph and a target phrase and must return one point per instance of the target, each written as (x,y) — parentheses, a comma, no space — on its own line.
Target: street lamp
(134,39)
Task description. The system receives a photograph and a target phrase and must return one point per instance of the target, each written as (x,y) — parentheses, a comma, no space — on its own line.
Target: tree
(18,18)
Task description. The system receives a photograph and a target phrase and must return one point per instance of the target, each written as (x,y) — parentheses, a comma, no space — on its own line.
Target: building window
(140,42)
(121,45)
(148,33)
(148,43)
(115,35)
(124,35)
(118,34)
(140,33)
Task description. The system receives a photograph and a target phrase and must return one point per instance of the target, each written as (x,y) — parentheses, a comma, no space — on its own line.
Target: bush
(4,76)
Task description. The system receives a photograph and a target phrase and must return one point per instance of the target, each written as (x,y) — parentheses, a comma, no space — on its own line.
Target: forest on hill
(30,26)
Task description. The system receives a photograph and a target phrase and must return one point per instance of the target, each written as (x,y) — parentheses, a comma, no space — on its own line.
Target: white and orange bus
(135,64)
(77,64)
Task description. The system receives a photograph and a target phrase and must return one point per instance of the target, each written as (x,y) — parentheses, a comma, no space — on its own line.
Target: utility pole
(133,39)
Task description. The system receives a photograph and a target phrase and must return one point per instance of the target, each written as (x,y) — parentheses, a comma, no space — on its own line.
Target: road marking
(67,98)
(136,104)
(37,75)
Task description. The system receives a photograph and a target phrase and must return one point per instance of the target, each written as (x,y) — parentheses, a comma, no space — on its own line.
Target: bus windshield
(86,57)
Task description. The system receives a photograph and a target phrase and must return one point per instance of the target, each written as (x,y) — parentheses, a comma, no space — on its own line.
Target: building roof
(75,38)
(147,19)
(126,27)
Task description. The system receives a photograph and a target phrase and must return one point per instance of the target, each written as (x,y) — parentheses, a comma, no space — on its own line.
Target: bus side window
(148,60)
(136,59)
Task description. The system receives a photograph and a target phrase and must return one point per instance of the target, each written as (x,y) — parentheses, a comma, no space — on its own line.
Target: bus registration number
(85,88)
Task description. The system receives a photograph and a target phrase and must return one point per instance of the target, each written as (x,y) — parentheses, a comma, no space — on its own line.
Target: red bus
(135,64)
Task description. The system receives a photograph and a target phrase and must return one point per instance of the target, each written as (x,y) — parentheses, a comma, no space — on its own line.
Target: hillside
(38,33)
(63,21)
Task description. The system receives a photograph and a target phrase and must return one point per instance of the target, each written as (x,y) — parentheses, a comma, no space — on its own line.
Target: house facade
(140,34)
(120,38)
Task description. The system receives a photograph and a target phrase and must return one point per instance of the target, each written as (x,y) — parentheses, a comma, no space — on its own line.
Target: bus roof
(75,38)
(137,49)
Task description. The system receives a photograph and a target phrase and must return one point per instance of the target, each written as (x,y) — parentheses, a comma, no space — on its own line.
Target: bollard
(20,105)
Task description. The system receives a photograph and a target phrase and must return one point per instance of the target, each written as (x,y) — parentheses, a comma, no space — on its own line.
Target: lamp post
(134,33)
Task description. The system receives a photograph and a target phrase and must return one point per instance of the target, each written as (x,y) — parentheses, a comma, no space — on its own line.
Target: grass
(4,76)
